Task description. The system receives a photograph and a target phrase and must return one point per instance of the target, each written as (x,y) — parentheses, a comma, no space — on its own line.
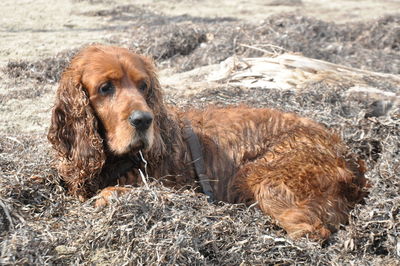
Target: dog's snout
(141,120)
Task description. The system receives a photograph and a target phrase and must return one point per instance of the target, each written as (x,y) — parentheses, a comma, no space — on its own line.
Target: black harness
(197,157)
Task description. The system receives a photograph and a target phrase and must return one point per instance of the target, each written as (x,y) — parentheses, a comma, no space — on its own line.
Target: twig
(7,213)
(256,48)
(275,48)
(144,177)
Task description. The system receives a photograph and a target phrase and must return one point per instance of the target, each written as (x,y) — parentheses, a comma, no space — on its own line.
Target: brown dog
(109,106)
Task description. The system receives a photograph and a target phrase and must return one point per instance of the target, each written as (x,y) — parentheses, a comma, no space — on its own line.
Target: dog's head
(107,102)
(118,84)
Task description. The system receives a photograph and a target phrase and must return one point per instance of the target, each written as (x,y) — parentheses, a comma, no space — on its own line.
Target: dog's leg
(107,193)
(298,218)
(299,201)
(103,198)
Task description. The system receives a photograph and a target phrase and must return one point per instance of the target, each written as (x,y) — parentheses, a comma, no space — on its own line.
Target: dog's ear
(163,125)
(74,135)
(154,98)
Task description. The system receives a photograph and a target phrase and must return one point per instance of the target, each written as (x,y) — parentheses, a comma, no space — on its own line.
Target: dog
(109,111)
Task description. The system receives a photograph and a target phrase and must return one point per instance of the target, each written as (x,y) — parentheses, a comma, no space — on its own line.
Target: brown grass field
(41,224)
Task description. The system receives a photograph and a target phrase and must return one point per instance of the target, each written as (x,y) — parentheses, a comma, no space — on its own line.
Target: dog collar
(198,160)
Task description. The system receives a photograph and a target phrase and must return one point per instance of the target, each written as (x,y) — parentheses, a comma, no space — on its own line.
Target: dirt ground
(35,29)
(39,224)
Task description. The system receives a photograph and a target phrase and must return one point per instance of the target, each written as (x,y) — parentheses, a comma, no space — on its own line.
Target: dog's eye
(106,88)
(143,86)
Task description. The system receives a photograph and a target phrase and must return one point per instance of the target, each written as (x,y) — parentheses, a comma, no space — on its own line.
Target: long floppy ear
(74,135)
(165,131)
(155,97)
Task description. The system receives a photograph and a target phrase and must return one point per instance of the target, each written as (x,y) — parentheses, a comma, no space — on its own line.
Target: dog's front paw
(108,193)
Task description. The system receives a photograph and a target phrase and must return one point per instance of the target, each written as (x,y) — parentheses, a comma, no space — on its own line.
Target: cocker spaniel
(109,111)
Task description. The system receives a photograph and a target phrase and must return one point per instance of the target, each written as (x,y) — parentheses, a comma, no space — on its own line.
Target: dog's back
(299,173)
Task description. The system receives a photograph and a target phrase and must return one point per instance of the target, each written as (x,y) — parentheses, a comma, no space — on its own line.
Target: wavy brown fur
(74,135)
(297,171)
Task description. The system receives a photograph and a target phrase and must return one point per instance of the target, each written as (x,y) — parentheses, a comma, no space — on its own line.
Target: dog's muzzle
(141,120)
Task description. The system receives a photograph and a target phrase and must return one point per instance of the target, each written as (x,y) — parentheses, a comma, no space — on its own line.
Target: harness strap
(197,157)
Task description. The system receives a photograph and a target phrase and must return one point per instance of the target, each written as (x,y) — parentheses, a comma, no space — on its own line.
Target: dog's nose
(141,120)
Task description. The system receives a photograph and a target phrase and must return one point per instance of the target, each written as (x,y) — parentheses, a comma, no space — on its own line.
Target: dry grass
(40,224)
(185,42)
